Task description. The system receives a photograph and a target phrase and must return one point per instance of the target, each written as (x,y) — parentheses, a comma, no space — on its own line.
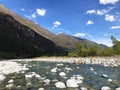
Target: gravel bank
(105,61)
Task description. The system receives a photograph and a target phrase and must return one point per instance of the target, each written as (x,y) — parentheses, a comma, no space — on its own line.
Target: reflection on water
(95,76)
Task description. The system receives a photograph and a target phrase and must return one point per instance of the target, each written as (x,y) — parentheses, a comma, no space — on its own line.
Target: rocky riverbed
(60,73)
(105,61)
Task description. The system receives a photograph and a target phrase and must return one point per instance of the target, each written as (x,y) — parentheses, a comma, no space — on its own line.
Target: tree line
(85,50)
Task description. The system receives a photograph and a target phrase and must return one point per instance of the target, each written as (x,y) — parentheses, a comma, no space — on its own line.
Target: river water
(95,76)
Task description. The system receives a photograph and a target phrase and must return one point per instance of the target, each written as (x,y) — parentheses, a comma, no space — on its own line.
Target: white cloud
(41,12)
(79,34)
(89,22)
(110,18)
(91,12)
(28,17)
(22,9)
(106,35)
(99,12)
(105,41)
(56,24)
(105,2)
(102,12)
(33,15)
(115,27)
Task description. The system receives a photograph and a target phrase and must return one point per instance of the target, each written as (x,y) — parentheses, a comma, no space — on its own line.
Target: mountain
(72,40)
(20,37)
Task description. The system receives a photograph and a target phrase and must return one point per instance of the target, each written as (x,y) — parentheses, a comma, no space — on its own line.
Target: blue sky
(95,20)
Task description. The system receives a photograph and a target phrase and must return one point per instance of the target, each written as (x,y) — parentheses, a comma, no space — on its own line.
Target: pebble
(29,84)
(54,70)
(60,85)
(11,81)
(79,77)
(60,64)
(41,89)
(117,88)
(83,88)
(91,68)
(2,77)
(9,86)
(105,88)
(62,74)
(71,83)
(105,76)
(46,81)
(37,76)
(109,80)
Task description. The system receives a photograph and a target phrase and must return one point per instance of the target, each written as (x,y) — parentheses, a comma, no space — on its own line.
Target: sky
(95,20)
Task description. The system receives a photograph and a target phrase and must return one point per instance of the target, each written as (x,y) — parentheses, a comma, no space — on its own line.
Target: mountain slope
(75,40)
(20,37)
(18,40)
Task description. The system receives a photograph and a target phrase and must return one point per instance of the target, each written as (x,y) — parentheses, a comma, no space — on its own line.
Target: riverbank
(105,61)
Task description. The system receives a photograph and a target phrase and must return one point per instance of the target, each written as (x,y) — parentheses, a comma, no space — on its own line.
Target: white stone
(37,76)
(60,64)
(109,80)
(41,89)
(9,86)
(105,88)
(71,83)
(11,81)
(18,86)
(91,68)
(28,76)
(7,67)
(62,74)
(117,88)
(60,85)
(2,77)
(83,88)
(29,84)
(68,69)
(46,81)
(105,76)
(54,80)
(54,70)
(79,78)
(78,81)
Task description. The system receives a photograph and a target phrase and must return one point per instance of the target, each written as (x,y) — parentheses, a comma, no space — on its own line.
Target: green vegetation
(84,50)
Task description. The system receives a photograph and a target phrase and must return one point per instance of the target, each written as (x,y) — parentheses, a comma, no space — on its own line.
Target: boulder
(60,85)
(105,76)
(54,70)
(117,88)
(46,81)
(2,77)
(11,81)
(71,83)
(41,89)
(9,86)
(105,88)
(62,74)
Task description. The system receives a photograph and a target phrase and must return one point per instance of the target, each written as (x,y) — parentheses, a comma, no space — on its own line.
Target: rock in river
(105,88)
(60,85)
(71,83)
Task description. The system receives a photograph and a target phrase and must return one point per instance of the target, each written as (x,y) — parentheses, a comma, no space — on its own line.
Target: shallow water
(93,75)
